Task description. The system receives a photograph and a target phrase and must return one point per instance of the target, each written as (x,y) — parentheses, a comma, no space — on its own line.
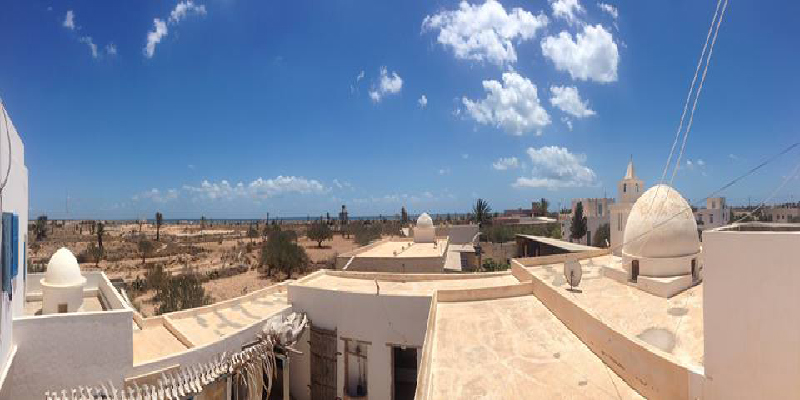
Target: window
(619,222)
(355,365)
(710,218)
(62,308)
(600,210)
(637,188)
(624,187)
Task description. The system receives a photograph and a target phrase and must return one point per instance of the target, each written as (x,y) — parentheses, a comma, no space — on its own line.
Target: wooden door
(323,364)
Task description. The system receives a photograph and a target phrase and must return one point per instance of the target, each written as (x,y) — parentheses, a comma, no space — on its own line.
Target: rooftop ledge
(759,227)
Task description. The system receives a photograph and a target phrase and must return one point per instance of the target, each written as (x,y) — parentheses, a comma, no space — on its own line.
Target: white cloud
(593,55)
(154,37)
(465,156)
(444,171)
(157,196)
(184,9)
(555,167)
(733,157)
(512,105)
(388,84)
(69,20)
(89,42)
(111,49)
(567,122)
(568,100)
(567,10)
(484,32)
(257,189)
(342,184)
(359,77)
(404,198)
(611,10)
(700,162)
(506,163)
(423,101)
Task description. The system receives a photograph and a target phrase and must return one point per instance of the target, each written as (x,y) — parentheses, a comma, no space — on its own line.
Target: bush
(490,265)
(364,234)
(182,292)
(282,253)
(319,232)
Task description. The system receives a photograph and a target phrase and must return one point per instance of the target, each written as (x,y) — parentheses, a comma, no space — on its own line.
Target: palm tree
(159,220)
(482,212)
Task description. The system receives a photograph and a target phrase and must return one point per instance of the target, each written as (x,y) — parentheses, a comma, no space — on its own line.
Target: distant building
(715,214)
(343,215)
(789,212)
(597,213)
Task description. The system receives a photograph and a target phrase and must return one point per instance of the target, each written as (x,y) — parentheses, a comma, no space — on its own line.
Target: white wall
(63,351)
(367,317)
(751,314)
(14,199)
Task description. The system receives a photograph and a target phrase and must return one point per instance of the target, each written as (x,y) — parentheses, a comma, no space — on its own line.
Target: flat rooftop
(210,324)
(406,249)
(561,244)
(673,325)
(409,284)
(90,303)
(513,348)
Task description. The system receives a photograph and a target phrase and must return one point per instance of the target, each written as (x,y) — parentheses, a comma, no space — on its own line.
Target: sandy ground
(214,248)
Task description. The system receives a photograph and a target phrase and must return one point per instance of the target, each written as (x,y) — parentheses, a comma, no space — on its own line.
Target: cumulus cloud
(611,10)
(444,171)
(111,49)
(567,10)
(512,105)
(185,8)
(257,189)
(465,156)
(484,32)
(182,10)
(388,84)
(89,42)
(506,163)
(157,196)
(342,184)
(154,37)
(567,122)
(567,99)
(555,167)
(69,20)
(423,101)
(592,55)
(404,198)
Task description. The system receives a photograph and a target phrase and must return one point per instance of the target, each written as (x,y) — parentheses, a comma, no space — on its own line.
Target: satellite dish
(573,272)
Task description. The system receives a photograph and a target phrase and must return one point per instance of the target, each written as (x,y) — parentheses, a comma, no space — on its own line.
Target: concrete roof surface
(387,249)
(673,325)
(514,348)
(154,342)
(562,244)
(410,287)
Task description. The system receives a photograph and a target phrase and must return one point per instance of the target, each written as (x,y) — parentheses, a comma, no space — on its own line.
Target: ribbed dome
(424,221)
(674,231)
(63,270)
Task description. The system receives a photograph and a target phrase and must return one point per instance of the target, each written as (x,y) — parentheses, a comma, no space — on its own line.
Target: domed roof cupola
(661,233)
(424,231)
(62,285)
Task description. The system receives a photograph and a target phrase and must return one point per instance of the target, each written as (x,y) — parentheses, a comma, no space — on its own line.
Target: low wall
(68,350)
(652,373)
(96,281)
(415,265)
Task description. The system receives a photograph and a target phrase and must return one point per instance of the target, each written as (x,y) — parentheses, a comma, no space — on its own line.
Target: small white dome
(424,221)
(668,218)
(63,270)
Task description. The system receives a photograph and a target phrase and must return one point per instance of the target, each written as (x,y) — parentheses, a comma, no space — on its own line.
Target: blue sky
(311,105)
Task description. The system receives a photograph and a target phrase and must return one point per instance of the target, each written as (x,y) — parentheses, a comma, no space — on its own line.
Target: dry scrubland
(225,258)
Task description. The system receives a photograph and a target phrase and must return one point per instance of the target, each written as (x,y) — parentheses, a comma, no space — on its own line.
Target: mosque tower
(629,189)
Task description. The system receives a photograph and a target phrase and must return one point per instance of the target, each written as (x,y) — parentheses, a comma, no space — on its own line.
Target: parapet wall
(652,373)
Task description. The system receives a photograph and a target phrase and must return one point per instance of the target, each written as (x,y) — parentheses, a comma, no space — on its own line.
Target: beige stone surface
(410,288)
(673,325)
(90,303)
(388,248)
(209,324)
(514,348)
(154,343)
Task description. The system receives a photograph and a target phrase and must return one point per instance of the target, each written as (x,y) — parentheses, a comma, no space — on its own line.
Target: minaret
(628,191)
(630,187)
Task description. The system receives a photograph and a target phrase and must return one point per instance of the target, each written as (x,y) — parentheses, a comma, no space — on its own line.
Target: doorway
(404,372)
(634,270)
(695,276)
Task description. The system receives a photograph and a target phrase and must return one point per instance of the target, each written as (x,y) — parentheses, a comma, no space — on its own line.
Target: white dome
(424,221)
(664,213)
(63,270)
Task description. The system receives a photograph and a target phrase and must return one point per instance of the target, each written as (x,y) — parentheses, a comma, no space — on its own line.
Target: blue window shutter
(6,256)
(14,246)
